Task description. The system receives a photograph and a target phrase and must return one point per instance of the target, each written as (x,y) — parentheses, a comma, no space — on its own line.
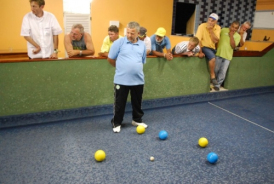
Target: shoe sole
(138,125)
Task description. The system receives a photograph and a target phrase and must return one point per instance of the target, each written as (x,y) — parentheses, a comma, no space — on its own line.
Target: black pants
(120,100)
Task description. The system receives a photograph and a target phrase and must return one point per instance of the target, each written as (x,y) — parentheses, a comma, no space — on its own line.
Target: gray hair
(134,25)
(248,23)
(79,26)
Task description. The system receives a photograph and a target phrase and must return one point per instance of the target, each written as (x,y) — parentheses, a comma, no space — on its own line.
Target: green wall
(249,72)
(27,87)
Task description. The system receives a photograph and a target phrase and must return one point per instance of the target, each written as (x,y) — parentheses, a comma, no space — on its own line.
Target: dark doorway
(184,11)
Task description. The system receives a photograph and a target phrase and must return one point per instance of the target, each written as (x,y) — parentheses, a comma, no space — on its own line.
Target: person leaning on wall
(78,42)
(143,36)
(159,41)
(229,39)
(209,35)
(243,33)
(187,48)
(40,29)
(113,34)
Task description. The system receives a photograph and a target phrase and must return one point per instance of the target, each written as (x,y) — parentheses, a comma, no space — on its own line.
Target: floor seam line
(241,117)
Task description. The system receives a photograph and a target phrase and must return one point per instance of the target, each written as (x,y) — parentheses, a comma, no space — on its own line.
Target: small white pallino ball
(151,158)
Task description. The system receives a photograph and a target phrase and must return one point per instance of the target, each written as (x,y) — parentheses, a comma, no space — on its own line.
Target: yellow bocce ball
(203,142)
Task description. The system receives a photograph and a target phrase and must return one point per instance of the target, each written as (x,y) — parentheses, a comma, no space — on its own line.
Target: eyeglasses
(141,36)
(74,34)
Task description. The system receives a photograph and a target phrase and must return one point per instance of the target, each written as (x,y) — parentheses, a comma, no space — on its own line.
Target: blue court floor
(240,130)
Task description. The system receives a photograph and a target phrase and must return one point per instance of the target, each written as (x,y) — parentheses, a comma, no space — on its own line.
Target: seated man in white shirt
(143,36)
(187,48)
(41,29)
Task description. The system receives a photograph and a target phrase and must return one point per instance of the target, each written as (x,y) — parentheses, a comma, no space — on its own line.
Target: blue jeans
(221,66)
(209,53)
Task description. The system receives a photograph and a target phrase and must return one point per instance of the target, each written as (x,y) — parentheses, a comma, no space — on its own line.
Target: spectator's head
(193,42)
(234,26)
(37,7)
(143,33)
(212,19)
(39,2)
(77,32)
(246,26)
(160,34)
(113,33)
(133,29)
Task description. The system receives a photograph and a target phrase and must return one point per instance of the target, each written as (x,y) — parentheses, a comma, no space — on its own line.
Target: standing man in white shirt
(243,33)
(41,30)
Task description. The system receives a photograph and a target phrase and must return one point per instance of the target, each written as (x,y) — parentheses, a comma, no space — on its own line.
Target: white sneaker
(136,124)
(223,89)
(117,129)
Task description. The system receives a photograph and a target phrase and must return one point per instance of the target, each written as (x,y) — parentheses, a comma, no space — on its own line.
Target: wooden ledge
(246,53)
(26,59)
(18,56)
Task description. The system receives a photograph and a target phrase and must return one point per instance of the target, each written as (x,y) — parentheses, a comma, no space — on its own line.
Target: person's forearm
(241,42)
(200,53)
(112,62)
(55,41)
(77,53)
(159,54)
(232,42)
(213,37)
(103,54)
(201,46)
(184,53)
(31,41)
(87,52)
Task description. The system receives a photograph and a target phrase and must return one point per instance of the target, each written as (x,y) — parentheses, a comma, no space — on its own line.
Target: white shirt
(147,43)
(41,30)
(244,35)
(182,48)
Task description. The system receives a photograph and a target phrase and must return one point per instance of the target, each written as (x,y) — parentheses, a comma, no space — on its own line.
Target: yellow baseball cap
(161,32)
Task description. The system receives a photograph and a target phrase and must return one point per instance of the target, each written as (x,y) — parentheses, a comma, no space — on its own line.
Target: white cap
(214,16)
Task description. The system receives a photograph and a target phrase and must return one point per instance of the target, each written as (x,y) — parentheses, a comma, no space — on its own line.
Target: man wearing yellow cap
(209,35)
(158,42)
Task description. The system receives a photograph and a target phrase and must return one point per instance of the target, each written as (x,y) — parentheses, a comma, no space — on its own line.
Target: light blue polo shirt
(130,58)
(159,46)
